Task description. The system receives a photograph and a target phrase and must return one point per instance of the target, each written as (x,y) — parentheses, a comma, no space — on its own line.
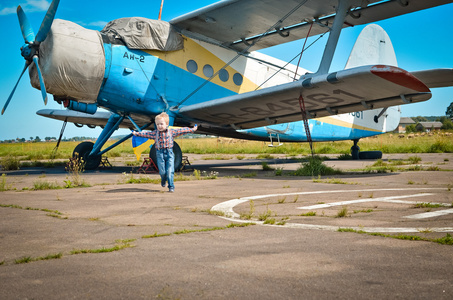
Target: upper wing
(238,24)
(339,92)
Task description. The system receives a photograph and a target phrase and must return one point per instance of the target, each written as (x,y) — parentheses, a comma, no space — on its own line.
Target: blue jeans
(166,166)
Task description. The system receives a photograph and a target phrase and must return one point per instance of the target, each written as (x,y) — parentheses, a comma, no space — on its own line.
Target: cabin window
(224,75)
(208,71)
(192,66)
(237,79)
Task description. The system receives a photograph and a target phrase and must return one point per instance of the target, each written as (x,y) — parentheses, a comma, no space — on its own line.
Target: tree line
(37,139)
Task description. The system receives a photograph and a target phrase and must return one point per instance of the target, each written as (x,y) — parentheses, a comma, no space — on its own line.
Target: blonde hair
(164,116)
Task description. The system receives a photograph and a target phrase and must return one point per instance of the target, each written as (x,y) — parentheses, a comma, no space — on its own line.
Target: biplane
(204,67)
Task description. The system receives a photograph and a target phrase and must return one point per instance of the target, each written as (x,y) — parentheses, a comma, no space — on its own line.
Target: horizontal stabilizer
(435,78)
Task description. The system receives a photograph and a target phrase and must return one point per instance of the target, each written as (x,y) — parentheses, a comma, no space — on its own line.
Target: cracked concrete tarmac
(179,249)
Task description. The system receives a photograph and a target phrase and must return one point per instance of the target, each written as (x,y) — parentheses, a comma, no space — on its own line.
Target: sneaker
(162,183)
(171,190)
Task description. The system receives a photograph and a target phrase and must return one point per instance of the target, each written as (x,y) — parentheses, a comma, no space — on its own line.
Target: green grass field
(386,143)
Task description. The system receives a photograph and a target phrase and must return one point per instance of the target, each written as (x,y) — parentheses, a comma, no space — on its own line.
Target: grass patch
(446,240)
(331,181)
(265,156)
(155,235)
(266,215)
(266,166)
(120,244)
(75,167)
(45,185)
(28,259)
(414,159)
(342,213)
(186,231)
(270,221)
(249,175)
(308,214)
(51,213)
(249,214)
(234,225)
(427,205)
(315,167)
(345,156)
(216,157)
(363,211)
(10,162)
(3,185)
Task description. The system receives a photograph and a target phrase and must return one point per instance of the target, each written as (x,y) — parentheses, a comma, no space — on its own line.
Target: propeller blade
(47,22)
(25,27)
(41,80)
(14,89)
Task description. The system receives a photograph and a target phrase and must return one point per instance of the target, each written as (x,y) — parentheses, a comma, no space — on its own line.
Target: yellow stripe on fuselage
(337,122)
(201,55)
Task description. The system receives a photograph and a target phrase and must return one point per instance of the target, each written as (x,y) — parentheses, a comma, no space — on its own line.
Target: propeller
(30,51)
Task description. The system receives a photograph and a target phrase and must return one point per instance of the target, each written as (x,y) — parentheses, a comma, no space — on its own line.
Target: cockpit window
(192,66)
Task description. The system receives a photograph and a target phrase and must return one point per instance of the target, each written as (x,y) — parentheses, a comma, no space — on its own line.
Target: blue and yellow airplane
(204,68)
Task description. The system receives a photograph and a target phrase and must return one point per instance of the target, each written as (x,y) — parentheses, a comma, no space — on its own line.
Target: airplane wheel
(355,150)
(370,155)
(82,150)
(176,150)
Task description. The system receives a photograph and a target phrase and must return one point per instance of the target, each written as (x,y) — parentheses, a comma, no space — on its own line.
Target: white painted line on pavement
(431,214)
(391,199)
(227,208)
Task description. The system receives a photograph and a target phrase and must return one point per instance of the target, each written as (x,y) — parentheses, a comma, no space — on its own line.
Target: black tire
(355,150)
(176,150)
(82,150)
(370,154)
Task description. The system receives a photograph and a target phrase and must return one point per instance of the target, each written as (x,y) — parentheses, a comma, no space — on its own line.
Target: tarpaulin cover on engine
(72,62)
(143,33)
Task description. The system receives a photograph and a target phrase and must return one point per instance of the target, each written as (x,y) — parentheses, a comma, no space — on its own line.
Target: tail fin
(373,46)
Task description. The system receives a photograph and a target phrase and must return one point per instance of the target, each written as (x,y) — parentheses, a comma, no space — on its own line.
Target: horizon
(118,136)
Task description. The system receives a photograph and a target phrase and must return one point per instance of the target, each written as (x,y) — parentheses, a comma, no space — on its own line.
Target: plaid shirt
(164,139)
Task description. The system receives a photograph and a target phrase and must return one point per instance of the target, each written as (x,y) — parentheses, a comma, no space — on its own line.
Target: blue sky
(422,40)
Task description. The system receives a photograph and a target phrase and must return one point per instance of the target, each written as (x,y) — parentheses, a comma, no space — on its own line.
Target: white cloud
(29,6)
(98,24)
(37,5)
(7,11)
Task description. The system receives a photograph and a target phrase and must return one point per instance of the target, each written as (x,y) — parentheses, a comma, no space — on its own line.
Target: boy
(163,139)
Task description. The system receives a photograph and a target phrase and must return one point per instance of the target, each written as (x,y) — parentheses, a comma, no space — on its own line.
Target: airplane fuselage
(149,82)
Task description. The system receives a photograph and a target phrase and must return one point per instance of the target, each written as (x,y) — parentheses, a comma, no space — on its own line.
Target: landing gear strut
(91,153)
(355,150)
(357,154)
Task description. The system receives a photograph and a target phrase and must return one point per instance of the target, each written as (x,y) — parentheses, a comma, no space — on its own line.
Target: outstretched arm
(146,134)
(184,130)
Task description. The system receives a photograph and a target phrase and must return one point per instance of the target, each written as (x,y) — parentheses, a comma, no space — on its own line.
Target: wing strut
(307,128)
(302,52)
(329,50)
(54,152)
